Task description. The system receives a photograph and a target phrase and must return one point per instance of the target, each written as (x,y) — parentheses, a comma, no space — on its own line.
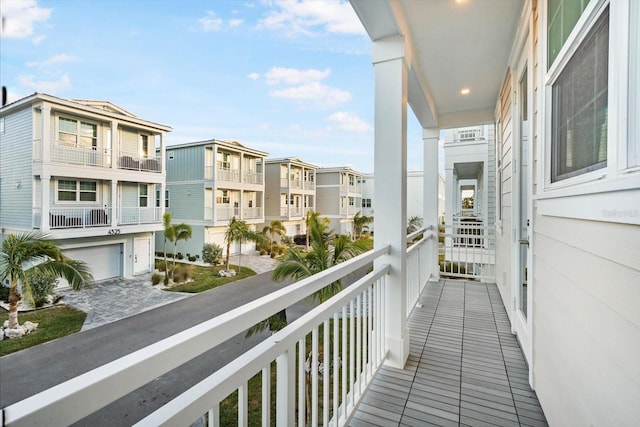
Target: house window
(224,163)
(166,198)
(634,85)
(579,107)
(74,191)
(143,195)
(223,197)
(562,16)
(74,133)
(366,203)
(352,201)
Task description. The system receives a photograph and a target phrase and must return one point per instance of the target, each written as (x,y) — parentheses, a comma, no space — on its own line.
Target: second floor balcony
(79,217)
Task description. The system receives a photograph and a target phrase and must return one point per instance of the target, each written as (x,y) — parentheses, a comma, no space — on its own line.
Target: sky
(292,78)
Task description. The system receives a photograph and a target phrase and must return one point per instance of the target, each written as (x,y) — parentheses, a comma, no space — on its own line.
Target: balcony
(226,212)
(133,161)
(252,213)
(228,175)
(132,216)
(327,366)
(84,156)
(252,177)
(76,217)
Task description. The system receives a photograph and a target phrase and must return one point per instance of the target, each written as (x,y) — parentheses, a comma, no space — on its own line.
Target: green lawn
(205,278)
(54,322)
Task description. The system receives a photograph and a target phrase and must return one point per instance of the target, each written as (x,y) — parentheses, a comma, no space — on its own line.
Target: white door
(141,255)
(522,210)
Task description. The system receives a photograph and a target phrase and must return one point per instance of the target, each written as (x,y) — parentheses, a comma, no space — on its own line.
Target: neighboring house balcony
(60,153)
(228,175)
(297,184)
(351,189)
(226,212)
(91,217)
(232,175)
(294,212)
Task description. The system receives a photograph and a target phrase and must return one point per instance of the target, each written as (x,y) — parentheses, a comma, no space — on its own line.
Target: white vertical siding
(16,183)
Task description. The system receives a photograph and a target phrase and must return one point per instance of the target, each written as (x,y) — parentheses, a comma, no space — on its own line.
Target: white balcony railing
(87,156)
(252,213)
(252,177)
(295,211)
(469,251)
(229,175)
(309,185)
(133,161)
(417,264)
(224,213)
(76,217)
(130,216)
(342,342)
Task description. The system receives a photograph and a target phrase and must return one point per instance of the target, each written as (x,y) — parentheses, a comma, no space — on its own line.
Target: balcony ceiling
(454,44)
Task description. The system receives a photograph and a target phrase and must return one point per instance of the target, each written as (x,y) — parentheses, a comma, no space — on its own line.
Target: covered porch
(464,367)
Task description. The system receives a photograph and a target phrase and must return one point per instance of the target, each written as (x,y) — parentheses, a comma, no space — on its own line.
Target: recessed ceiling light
(465,91)
(460,1)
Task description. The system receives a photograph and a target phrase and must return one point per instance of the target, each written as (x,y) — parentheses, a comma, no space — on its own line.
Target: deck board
(465,367)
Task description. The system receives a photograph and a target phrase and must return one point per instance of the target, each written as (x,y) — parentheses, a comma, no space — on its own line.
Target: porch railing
(251,213)
(417,264)
(76,217)
(133,161)
(332,352)
(87,156)
(229,175)
(224,213)
(130,216)
(468,251)
(252,177)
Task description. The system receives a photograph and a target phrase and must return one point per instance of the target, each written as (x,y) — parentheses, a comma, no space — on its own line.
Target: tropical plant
(238,231)
(180,232)
(169,236)
(414,223)
(324,253)
(41,288)
(360,222)
(314,217)
(211,253)
(274,228)
(28,255)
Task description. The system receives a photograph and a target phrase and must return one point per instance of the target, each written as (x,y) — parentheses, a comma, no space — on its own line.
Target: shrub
(211,253)
(41,288)
(192,258)
(182,273)
(179,255)
(262,252)
(155,279)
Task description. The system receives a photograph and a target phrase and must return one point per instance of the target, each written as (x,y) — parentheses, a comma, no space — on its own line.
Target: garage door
(105,261)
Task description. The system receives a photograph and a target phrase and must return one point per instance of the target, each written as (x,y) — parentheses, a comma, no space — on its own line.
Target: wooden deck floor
(465,367)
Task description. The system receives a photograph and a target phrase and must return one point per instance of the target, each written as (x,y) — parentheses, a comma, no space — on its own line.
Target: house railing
(295,211)
(132,216)
(87,156)
(308,185)
(224,213)
(252,213)
(468,251)
(252,177)
(229,175)
(332,352)
(133,161)
(76,217)
(417,264)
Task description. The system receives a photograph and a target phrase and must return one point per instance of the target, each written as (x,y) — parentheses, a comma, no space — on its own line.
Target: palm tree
(27,255)
(311,218)
(168,236)
(414,224)
(360,222)
(180,232)
(274,228)
(238,231)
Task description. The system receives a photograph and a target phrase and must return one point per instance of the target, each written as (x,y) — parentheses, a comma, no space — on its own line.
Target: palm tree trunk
(228,253)
(13,305)
(165,259)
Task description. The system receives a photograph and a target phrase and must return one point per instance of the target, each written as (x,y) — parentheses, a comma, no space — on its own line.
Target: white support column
(47,137)
(430,199)
(115,204)
(390,186)
(45,186)
(115,147)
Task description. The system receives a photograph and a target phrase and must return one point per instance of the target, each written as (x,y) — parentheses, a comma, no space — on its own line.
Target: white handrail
(191,404)
(78,397)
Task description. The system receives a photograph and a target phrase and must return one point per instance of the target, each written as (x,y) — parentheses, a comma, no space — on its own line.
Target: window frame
(78,133)
(77,191)
(144,197)
(601,194)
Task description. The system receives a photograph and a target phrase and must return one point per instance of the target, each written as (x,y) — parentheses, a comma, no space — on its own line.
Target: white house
(415,195)
(87,173)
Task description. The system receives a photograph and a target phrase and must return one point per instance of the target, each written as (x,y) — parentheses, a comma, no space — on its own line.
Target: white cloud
(55,59)
(37,40)
(235,22)
(254,76)
(210,22)
(19,18)
(316,92)
(50,86)
(293,76)
(312,17)
(349,122)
